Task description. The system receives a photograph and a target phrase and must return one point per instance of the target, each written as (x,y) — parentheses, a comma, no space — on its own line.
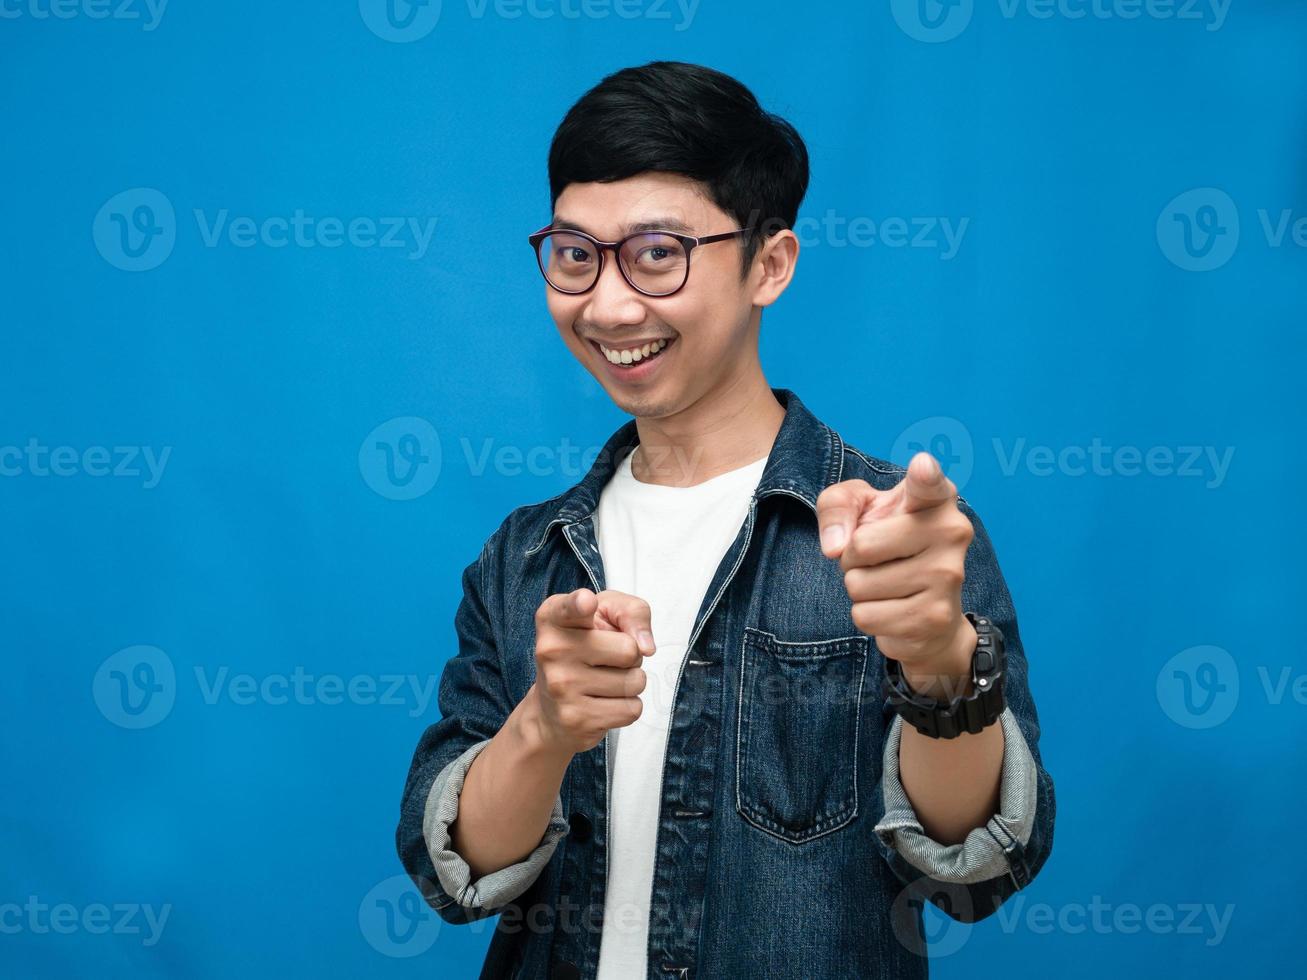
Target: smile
(632,355)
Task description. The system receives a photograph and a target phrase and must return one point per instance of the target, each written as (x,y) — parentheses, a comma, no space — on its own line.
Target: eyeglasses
(655,263)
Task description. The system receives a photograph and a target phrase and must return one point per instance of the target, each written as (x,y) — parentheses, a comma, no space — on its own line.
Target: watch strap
(949,718)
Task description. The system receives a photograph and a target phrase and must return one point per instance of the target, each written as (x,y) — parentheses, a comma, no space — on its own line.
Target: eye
(655,250)
(572,254)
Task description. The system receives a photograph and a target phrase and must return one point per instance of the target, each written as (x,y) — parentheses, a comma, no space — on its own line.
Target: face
(708,328)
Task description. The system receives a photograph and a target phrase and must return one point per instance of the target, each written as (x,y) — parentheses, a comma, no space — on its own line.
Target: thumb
(925,484)
(629,614)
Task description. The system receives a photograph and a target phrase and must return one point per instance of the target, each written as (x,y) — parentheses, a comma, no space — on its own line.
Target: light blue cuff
(499,887)
(982,855)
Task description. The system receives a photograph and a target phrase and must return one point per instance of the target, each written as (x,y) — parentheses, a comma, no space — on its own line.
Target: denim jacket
(786,845)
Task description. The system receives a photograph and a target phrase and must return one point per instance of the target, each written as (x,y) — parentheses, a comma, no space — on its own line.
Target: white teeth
(633,354)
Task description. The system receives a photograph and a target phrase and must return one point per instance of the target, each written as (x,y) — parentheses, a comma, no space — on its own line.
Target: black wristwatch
(941,718)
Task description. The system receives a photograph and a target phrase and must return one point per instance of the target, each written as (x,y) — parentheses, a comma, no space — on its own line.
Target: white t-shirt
(662,544)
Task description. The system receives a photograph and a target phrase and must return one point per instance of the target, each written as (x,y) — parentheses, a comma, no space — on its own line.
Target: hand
(903,552)
(588,677)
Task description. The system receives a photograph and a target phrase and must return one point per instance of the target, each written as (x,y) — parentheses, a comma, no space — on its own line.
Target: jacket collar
(806,457)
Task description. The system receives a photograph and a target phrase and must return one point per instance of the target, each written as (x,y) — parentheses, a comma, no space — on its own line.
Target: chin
(645,405)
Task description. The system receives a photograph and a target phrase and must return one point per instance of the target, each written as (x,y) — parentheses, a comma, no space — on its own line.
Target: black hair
(680,118)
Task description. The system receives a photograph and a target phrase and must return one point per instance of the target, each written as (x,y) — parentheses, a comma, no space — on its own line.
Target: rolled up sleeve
(985,852)
(500,887)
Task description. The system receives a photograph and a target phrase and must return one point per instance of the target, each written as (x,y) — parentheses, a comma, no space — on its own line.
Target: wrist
(532,734)
(947,673)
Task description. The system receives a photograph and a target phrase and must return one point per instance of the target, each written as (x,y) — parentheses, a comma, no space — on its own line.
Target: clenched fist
(589,648)
(903,552)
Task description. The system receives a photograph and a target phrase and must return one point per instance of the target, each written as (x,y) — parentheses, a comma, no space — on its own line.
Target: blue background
(276,539)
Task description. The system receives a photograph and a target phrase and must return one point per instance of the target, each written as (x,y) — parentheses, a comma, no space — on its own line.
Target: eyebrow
(655,224)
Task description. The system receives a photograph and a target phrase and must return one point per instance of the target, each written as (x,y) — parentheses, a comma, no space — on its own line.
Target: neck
(727,428)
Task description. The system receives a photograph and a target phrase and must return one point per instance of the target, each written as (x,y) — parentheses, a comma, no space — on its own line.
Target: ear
(774,265)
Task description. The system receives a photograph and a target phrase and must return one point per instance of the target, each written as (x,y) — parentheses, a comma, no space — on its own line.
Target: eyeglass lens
(653,262)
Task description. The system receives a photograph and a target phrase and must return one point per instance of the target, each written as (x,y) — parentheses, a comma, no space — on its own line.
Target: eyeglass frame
(688,242)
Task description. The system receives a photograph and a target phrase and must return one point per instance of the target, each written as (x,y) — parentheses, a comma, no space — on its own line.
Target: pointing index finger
(571,610)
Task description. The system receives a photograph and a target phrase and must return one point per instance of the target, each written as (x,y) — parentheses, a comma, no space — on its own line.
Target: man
(665,749)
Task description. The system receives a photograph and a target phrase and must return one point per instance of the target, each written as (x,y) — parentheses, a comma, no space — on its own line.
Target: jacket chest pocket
(800,707)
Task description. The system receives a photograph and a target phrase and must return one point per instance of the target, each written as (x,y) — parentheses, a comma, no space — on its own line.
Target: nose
(613,302)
